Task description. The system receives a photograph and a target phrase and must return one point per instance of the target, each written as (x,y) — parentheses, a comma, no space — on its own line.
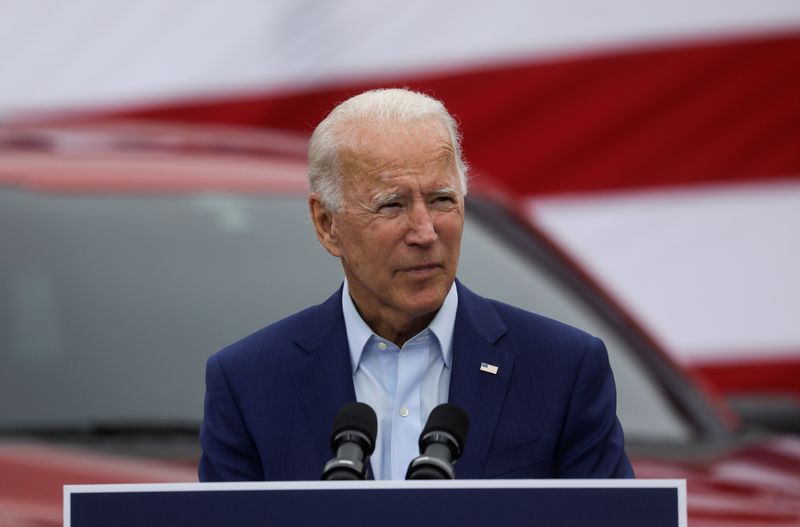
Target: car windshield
(110,304)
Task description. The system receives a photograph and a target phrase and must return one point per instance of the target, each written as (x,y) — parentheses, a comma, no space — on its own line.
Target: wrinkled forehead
(371,145)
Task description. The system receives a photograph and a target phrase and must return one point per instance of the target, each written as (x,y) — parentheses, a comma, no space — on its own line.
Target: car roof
(130,156)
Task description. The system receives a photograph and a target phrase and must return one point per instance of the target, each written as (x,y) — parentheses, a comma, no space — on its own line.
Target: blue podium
(459,503)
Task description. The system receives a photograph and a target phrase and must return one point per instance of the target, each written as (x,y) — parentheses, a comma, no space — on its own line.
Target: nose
(420,226)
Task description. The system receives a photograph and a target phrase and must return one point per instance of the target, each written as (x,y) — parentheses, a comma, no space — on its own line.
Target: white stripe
(712,271)
(100,52)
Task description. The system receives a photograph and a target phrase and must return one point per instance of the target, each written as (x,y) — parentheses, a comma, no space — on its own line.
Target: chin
(427,301)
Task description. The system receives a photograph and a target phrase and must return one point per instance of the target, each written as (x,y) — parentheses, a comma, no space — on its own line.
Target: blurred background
(635,171)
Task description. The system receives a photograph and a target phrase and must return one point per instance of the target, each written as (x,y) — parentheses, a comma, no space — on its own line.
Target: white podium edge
(678,484)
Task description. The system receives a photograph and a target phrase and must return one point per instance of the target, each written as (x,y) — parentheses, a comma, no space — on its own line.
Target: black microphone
(352,442)
(440,443)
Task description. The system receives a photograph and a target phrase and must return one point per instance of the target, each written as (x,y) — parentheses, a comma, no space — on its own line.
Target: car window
(491,268)
(110,305)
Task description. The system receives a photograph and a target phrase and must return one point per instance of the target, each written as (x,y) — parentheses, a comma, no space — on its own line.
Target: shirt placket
(411,367)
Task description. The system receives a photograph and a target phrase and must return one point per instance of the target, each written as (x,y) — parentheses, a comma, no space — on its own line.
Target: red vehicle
(132,251)
(667,169)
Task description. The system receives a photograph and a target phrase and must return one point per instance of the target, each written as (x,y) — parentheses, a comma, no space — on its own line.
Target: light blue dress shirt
(403,384)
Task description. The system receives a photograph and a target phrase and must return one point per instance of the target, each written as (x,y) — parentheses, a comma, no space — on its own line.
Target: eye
(443,199)
(391,205)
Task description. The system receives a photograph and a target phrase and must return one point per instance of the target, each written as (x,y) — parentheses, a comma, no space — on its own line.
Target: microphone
(352,442)
(440,443)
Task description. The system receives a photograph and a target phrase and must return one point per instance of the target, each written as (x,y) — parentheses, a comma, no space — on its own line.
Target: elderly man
(402,334)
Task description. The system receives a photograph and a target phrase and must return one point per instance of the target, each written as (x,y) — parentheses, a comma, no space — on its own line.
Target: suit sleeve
(592,442)
(229,453)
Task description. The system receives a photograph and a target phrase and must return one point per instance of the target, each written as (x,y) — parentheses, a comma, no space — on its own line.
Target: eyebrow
(383,199)
(445,191)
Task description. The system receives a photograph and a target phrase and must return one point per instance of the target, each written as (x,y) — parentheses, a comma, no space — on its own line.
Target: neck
(395,328)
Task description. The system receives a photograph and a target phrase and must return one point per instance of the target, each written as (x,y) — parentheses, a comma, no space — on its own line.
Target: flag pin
(489,368)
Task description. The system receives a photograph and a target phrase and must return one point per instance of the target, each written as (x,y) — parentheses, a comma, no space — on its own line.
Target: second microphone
(440,444)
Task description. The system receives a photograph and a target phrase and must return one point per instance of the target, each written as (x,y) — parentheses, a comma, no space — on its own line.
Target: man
(387,198)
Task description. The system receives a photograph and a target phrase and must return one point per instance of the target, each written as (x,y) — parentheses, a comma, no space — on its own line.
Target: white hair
(395,105)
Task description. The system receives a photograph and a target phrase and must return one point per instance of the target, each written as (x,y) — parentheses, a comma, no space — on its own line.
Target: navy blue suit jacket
(549,412)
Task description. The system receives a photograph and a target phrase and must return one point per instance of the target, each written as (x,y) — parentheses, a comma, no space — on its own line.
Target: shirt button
(381,346)
(404,412)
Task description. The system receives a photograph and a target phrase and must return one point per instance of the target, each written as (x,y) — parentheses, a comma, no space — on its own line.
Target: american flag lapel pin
(489,368)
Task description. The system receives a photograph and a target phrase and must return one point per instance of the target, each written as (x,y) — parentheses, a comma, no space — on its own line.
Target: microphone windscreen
(448,418)
(356,416)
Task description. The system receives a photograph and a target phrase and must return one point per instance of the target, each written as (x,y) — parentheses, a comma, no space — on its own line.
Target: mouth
(422,271)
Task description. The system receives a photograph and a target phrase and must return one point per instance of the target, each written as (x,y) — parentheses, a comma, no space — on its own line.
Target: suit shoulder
(277,337)
(551,336)
(519,319)
(519,329)
(542,344)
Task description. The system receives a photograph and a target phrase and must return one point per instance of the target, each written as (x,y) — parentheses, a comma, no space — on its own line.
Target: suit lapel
(324,383)
(481,394)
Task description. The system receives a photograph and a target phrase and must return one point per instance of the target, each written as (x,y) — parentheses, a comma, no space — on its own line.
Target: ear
(323,224)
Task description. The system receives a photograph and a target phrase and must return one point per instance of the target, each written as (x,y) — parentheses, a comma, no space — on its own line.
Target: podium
(458,503)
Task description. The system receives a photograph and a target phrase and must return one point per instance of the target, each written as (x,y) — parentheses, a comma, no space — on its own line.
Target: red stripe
(687,114)
(775,375)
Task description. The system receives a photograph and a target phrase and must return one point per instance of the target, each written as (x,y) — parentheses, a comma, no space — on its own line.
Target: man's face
(399,233)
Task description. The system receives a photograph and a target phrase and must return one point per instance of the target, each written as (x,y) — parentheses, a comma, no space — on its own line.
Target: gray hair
(393,105)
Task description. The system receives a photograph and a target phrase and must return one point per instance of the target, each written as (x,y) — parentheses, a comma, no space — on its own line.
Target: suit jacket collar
(324,383)
(479,393)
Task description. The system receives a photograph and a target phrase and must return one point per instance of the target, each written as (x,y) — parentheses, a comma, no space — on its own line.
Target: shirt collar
(359,333)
